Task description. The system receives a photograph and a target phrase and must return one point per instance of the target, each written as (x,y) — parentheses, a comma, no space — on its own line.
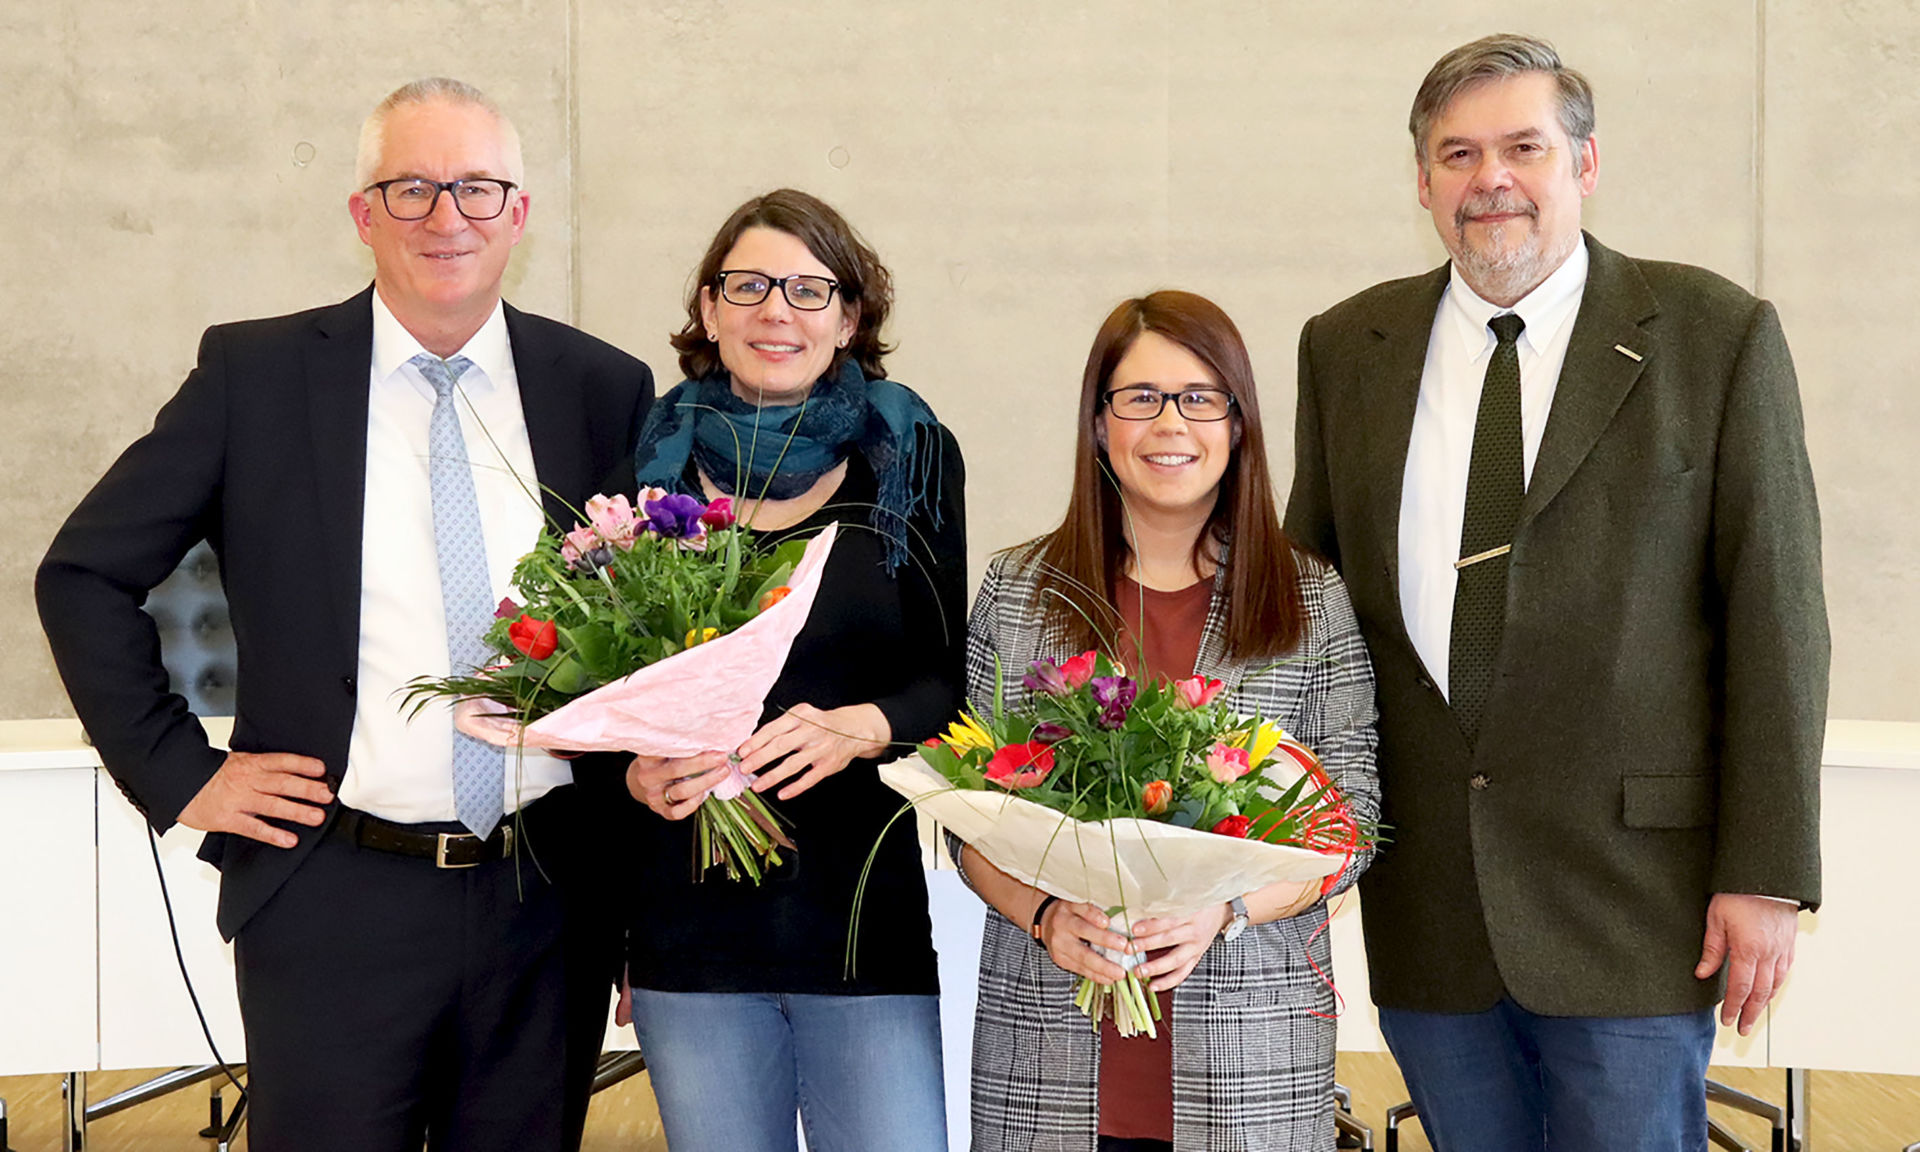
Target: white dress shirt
(401,769)
(1433,494)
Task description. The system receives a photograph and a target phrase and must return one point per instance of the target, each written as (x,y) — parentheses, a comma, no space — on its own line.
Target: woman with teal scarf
(742,998)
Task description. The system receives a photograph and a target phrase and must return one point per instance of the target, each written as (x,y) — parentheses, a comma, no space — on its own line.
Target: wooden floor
(1847,1112)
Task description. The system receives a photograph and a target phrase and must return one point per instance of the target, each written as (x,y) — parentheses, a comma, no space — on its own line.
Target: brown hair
(1087,553)
(866,287)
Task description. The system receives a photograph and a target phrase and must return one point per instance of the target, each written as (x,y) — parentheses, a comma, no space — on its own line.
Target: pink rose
(719,514)
(1227,764)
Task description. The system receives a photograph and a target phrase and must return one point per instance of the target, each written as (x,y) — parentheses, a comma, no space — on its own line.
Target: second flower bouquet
(1146,799)
(656,630)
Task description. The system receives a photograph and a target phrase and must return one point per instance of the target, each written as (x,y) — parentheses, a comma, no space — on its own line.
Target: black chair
(1349,1131)
(1718,1134)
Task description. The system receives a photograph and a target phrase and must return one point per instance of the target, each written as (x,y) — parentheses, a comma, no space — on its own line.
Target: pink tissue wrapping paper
(706,698)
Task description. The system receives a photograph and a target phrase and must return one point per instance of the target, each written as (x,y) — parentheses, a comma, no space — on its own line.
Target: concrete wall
(1021,166)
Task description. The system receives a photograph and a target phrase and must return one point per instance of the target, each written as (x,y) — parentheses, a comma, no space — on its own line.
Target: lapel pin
(1628,353)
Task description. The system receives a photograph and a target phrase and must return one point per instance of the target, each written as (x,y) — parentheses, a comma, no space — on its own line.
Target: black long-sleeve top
(894,639)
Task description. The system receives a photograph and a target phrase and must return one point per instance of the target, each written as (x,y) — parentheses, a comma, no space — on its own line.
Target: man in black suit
(1570,494)
(416,953)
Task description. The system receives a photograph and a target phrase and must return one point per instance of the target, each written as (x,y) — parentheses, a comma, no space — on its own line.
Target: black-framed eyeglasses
(807,293)
(1143,403)
(415,199)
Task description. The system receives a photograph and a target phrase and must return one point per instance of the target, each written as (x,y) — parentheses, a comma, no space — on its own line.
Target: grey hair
(1498,57)
(373,133)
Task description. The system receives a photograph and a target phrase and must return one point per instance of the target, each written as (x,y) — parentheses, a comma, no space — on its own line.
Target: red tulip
(773,596)
(537,638)
(1156,796)
(1078,670)
(1020,765)
(1199,691)
(1235,826)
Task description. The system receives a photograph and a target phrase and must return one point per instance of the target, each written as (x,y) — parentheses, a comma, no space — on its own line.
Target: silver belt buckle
(440,849)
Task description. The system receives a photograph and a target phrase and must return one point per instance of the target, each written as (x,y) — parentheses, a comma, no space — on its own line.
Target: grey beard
(1517,270)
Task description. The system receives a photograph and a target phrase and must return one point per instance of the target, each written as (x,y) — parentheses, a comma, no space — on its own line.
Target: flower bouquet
(657,630)
(1147,800)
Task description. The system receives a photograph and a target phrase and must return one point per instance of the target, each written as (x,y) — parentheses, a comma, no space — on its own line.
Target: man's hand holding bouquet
(1148,801)
(656,630)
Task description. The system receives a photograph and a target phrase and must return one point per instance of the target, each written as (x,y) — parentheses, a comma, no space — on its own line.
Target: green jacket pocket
(1668,801)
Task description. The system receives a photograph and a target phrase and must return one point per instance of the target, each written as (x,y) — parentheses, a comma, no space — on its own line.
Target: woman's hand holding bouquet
(1147,806)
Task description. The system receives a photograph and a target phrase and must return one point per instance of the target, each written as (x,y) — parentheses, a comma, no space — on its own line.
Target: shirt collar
(488,348)
(1546,309)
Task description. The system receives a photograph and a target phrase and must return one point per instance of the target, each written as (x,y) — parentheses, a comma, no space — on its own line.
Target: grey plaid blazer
(1253,1038)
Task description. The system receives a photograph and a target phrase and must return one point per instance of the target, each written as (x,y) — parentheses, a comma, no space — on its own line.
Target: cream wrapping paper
(1149,868)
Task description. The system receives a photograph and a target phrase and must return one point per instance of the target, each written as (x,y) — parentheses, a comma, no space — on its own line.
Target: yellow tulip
(705,635)
(966,733)
(1264,741)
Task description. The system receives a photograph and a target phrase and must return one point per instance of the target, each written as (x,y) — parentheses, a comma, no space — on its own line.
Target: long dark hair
(1087,553)
(866,287)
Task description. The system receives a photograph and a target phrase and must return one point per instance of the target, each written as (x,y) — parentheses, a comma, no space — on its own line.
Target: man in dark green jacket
(1570,494)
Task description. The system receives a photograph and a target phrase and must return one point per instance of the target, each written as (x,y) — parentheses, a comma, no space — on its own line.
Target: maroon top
(1161,636)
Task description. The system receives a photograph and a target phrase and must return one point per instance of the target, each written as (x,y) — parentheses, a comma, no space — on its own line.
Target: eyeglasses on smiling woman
(1142,403)
(806,293)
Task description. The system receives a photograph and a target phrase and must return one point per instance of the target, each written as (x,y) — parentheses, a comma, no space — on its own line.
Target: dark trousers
(390,1004)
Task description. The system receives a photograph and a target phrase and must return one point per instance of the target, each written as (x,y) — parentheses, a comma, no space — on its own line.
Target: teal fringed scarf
(781,451)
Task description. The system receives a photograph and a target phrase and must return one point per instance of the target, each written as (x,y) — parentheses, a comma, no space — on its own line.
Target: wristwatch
(1239,922)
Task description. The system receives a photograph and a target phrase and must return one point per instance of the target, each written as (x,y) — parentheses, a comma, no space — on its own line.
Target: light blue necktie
(479,769)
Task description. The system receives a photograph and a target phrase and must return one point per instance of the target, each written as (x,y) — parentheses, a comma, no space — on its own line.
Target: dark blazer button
(347,683)
(1479,782)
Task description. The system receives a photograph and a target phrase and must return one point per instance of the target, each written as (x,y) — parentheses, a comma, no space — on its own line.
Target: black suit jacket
(263,453)
(1654,728)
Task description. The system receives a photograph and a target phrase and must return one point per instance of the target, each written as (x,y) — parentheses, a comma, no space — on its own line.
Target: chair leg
(1343,1097)
(1399,1112)
(232,1127)
(1796,1133)
(1718,1093)
(1722,1138)
(615,1067)
(1352,1133)
(74,1090)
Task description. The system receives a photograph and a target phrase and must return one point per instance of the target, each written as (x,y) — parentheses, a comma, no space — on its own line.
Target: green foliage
(1181,741)
(642,605)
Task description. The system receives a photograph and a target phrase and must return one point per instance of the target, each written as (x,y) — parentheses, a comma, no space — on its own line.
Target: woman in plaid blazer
(1171,470)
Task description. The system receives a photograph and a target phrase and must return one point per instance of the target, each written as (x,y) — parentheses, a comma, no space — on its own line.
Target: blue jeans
(1507,1080)
(731,1069)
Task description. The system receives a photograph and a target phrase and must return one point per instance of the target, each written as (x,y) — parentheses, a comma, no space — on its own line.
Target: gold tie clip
(1477,557)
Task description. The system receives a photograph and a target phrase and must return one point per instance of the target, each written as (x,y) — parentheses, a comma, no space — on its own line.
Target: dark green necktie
(1496,480)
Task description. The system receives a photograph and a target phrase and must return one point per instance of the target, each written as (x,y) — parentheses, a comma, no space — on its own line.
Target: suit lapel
(551,402)
(1596,376)
(337,365)
(1391,379)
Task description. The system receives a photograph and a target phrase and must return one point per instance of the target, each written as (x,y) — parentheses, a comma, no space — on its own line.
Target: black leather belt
(445,849)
